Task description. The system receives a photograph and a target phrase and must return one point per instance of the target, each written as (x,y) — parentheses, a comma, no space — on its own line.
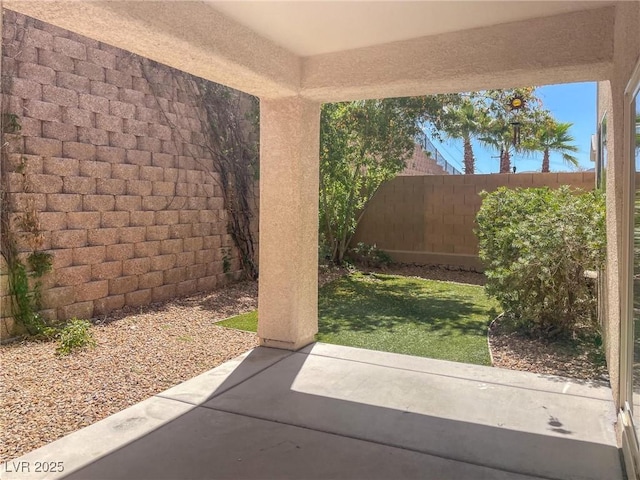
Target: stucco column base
(289,182)
(301,343)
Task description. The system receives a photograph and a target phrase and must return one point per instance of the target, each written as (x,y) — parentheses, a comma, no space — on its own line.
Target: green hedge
(536,244)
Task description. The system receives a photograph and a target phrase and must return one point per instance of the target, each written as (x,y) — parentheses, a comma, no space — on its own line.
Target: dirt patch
(578,360)
(434,272)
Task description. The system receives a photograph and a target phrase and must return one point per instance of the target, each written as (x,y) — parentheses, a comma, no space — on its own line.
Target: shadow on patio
(338,412)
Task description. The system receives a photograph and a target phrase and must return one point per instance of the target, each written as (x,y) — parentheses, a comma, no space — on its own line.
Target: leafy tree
(362,144)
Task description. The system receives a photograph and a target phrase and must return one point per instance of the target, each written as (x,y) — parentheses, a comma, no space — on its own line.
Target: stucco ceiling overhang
(345,50)
(309,28)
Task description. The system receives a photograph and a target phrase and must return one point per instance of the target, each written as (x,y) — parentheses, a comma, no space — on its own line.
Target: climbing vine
(24,273)
(24,270)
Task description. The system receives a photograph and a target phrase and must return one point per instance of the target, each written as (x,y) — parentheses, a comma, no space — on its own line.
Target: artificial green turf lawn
(406,315)
(246,321)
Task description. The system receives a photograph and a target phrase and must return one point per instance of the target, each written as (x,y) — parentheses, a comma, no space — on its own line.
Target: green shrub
(536,244)
(75,334)
(369,256)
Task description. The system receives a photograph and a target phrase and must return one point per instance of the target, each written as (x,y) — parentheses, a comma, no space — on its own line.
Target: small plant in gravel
(75,334)
(536,244)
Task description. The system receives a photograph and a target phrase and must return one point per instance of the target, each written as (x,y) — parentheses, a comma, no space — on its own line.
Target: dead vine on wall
(229,119)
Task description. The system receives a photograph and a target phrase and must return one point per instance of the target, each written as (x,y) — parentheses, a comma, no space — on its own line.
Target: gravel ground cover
(144,351)
(139,353)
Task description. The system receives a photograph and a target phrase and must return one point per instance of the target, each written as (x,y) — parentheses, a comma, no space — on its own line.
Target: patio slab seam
(460,377)
(384,444)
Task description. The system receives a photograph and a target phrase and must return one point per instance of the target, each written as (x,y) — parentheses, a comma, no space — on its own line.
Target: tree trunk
(342,250)
(469,161)
(545,161)
(505,161)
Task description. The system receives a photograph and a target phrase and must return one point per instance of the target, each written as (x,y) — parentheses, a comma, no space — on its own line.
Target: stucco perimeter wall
(111,160)
(430,219)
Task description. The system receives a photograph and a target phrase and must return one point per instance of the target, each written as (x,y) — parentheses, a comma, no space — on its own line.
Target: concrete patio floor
(331,412)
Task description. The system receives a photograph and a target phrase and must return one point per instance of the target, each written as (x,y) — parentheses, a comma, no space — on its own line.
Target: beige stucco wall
(289,196)
(460,61)
(611,101)
(431,219)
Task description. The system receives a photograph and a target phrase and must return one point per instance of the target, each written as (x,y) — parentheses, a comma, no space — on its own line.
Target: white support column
(289,182)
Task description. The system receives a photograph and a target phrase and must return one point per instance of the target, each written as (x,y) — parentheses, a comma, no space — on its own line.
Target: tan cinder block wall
(125,196)
(430,219)
(422,164)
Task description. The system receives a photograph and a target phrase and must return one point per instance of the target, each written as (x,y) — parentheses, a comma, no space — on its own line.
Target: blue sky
(573,102)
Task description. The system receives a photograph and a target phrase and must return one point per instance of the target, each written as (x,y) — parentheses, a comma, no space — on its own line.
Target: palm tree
(463,121)
(552,136)
(498,134)
(497,130)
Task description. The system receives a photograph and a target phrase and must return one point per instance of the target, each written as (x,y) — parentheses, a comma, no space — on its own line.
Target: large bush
(536,244)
